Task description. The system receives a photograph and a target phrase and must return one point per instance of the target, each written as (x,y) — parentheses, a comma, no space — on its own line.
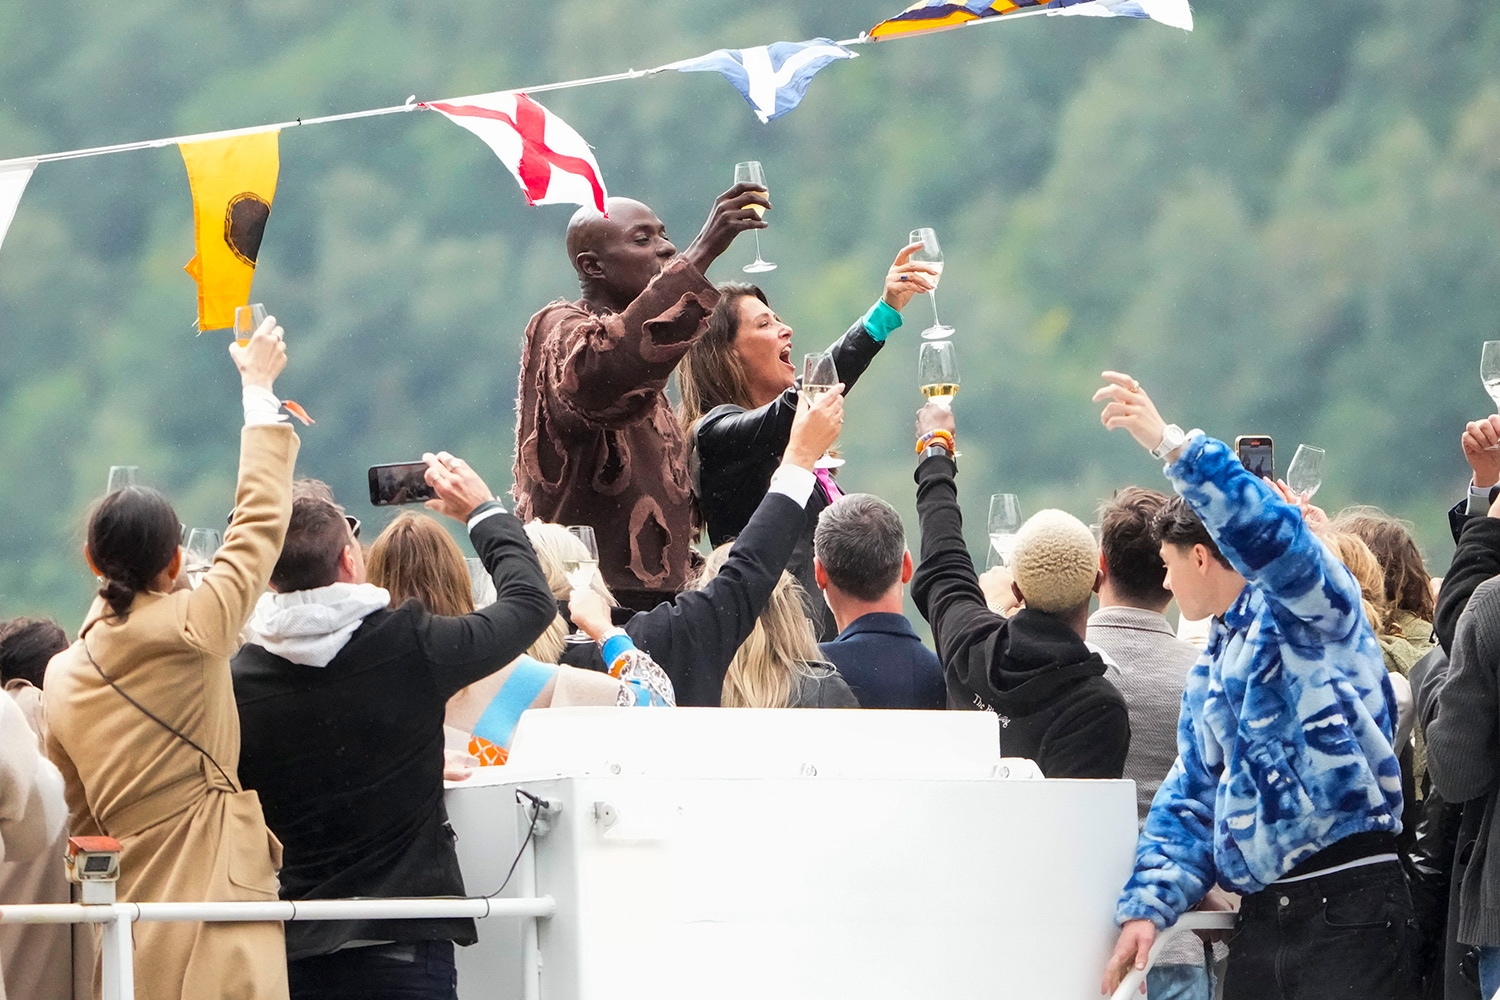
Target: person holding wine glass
(595,440)
(739,397)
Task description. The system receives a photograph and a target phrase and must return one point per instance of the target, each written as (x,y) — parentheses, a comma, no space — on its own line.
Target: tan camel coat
(189,832)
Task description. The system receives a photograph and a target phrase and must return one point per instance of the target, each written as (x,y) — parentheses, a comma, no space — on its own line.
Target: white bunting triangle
(13,178)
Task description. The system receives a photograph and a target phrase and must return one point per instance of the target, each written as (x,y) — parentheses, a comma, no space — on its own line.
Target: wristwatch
(936,449)
(1172,438)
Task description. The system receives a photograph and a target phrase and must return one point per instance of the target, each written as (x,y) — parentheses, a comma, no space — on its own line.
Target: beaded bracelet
(934,436)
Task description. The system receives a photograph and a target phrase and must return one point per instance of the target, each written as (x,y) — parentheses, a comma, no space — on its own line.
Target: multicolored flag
(234,182)
(550,161)
(13,180)
(936,15)
(772,78)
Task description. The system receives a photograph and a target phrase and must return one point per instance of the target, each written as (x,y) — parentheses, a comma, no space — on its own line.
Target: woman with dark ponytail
(141,717)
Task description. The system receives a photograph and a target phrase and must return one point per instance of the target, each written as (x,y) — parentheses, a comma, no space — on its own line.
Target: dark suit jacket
(883,660)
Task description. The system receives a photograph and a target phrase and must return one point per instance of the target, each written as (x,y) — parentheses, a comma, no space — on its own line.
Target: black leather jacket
(735,451)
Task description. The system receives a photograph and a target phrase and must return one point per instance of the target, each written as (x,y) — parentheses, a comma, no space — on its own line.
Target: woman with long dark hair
(141,715)
(739,395)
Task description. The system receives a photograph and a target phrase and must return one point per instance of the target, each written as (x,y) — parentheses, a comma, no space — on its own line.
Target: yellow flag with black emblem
(233,182)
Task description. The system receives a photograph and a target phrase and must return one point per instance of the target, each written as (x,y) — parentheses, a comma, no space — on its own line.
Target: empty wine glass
(247,319)
(1005,521)
(931,254)
(750,172)
(198,553)
(579,566)
(937,372)
(1305,474)
(121,476)
(481,585)
(820,375)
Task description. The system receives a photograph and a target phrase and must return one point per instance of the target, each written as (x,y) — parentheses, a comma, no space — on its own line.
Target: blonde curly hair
(1056,562)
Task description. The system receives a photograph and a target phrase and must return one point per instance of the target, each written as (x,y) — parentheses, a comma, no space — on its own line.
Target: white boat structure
(753,853)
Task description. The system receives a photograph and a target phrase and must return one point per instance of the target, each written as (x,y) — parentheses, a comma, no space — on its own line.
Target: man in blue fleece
(1285,787)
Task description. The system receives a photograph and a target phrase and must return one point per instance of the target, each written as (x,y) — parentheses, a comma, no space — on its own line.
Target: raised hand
(727,219)
(1481,444)
(1129,408)
(459,489)
(815,428)
(263,358)
(936,417)
(906,278)
(589,612)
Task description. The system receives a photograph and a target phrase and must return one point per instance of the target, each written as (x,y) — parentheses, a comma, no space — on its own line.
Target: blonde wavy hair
(415,558)
(760,675)
(556,546)
(1355,554)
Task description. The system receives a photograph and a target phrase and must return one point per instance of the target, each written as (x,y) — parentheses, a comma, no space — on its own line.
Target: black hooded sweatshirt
(1032,670)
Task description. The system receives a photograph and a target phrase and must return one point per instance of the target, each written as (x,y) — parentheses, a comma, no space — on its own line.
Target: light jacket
(190,832)
(1284,742)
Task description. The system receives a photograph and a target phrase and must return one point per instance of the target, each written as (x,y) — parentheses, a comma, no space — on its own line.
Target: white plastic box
(802,853)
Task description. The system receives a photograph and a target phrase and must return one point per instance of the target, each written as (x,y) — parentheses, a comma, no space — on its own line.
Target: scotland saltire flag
(935,15)
(773,77)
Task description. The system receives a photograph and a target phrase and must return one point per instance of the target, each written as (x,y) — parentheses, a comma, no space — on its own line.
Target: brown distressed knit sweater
(596,440)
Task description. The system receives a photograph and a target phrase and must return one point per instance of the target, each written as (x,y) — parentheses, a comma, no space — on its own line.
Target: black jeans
(422,970)
(1349,934)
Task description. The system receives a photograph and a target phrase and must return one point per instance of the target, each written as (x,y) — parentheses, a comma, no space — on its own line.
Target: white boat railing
(1186,924)
(117,958)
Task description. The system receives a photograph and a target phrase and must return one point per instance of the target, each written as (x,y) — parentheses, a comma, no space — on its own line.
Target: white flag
(551,162)
(13,178)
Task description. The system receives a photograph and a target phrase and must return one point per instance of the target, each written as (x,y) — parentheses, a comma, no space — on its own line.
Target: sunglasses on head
(353,523)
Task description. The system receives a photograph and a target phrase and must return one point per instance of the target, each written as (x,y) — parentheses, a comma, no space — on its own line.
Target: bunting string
(412,104)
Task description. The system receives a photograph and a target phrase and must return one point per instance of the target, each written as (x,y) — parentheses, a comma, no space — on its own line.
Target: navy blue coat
(883,660)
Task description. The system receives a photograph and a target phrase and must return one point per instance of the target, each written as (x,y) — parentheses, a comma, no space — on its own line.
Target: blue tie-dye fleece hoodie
(1284,740)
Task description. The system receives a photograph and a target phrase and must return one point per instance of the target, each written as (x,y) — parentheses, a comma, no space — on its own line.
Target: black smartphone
(1256,454)
(398,483)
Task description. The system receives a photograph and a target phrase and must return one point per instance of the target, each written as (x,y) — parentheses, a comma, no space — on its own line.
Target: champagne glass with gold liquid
(937,372)
(750,172)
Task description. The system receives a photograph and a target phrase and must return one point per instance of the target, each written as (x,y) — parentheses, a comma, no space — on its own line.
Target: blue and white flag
(773,77)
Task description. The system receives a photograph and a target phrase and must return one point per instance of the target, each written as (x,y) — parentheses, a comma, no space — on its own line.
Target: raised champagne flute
(820,375)
(1305,475)
(1489,373)
(580,565)
(750,172)
(198,554)
(937,372)
(121,476)
(247,319)
(1005,521)
(932,255)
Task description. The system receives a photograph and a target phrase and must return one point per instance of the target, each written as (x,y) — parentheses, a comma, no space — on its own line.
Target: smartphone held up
(1256,454)
(398,483)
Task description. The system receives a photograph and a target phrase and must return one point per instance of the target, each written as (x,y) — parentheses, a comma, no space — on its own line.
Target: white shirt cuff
(261,406)
(1479,500)
(793,481)
(487,512)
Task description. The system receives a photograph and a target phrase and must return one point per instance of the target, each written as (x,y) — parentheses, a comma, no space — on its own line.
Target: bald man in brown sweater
(596,440)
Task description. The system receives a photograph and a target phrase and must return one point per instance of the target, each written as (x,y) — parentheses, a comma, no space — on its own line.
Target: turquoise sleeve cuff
(881,321)
(614,646)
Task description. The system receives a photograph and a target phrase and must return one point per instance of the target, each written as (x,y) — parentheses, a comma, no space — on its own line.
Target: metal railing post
(117,956)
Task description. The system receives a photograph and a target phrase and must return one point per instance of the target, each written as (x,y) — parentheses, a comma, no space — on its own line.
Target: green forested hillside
(1286,222)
